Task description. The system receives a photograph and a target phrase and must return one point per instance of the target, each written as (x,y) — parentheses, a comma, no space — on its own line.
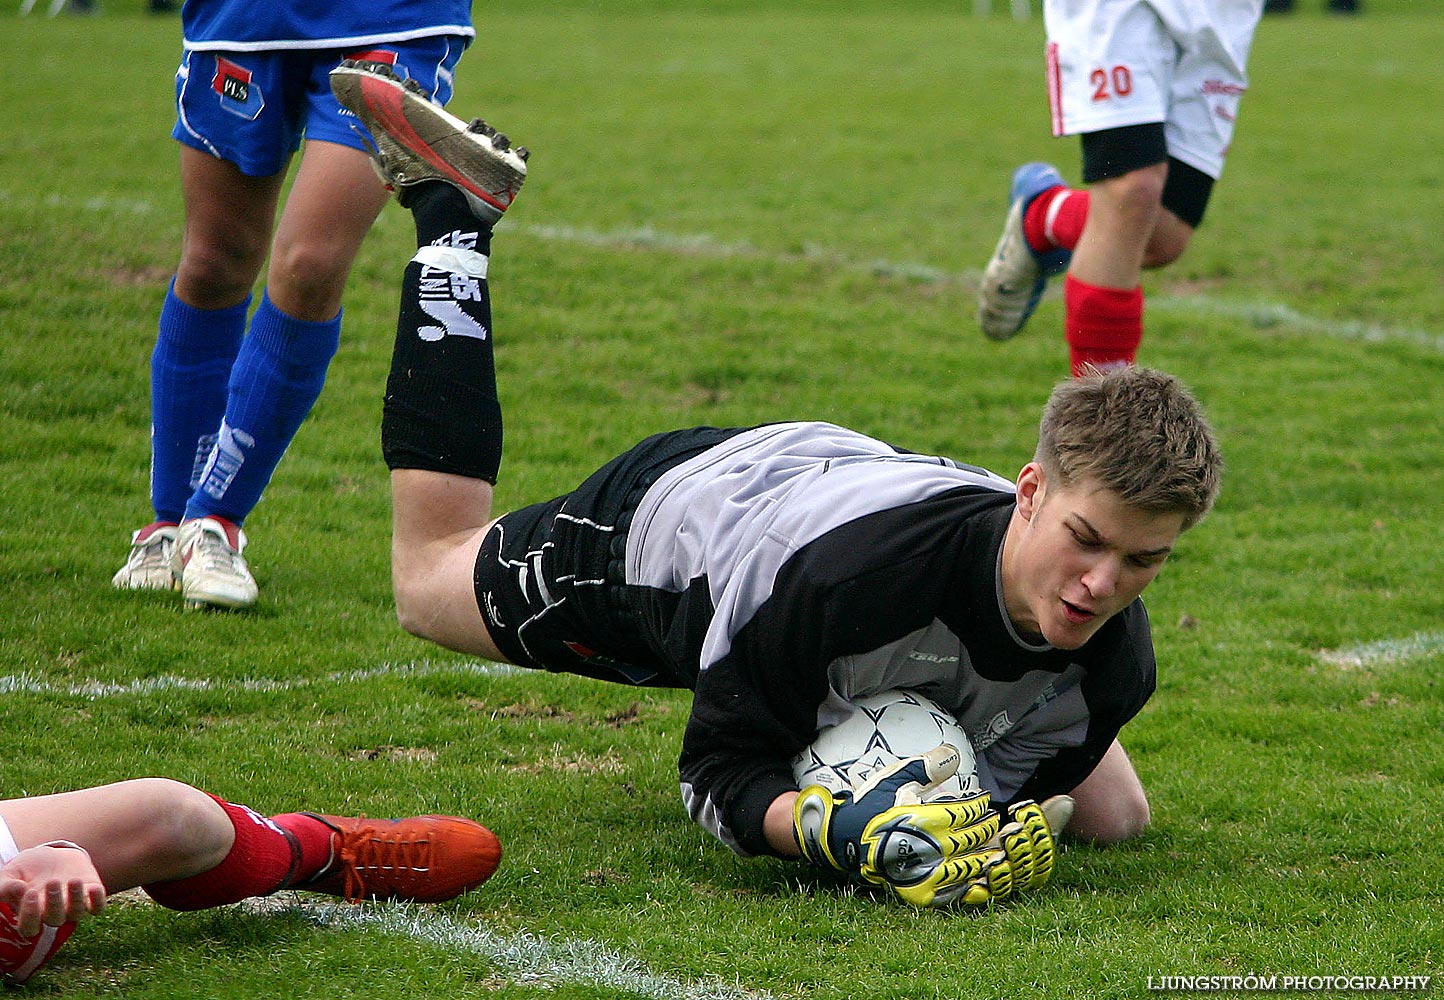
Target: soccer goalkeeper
(779,570)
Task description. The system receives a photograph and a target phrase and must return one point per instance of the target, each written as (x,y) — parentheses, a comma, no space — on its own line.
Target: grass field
(742,212)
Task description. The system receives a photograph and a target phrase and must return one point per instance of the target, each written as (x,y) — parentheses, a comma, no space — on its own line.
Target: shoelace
(363,851)
(155,549)
(216,554)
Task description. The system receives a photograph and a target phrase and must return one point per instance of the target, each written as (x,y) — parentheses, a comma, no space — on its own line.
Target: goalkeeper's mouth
(1076,614)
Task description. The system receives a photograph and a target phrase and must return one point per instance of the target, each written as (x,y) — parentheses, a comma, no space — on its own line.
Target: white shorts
(8,847)
(1113,63)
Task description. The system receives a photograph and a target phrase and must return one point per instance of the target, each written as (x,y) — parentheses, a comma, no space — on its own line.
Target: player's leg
(1110,805)
(228,217)
(1151,181)
(233,160)
(333,201)
(281,367)
(295,331)
(441,424)
(1110,67)
(191,850)
(136,831)
(1102,293)
(1150,184)
(128,833)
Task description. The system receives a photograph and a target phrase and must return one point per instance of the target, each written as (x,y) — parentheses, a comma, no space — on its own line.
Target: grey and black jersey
(782,571)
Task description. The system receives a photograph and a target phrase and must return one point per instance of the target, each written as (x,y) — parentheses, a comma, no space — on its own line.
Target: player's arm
(778,828)
(51,884)
(756,706)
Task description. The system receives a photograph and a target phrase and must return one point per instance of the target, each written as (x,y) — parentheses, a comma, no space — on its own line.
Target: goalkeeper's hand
(1019,858)
(883,833)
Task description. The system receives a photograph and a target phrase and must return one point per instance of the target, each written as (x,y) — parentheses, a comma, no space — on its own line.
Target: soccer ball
(883,729)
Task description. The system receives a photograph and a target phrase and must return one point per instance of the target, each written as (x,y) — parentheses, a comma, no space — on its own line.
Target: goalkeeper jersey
(794,567)
(229,26)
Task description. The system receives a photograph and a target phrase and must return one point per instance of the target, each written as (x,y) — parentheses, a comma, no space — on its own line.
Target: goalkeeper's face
(1076,556)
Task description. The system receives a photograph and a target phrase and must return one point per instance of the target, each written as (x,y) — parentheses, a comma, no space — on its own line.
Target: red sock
(268,854)
(1054,220)
(1104,326)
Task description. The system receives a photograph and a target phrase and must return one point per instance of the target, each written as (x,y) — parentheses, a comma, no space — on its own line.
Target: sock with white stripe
(441,411)
(1055,219)
(274,383)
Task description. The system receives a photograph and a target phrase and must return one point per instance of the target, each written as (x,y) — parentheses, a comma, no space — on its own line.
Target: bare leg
(1110,805)
(1171,236)
(137,832)
(332,204)
(228,220)
(439,521)
(1122,213)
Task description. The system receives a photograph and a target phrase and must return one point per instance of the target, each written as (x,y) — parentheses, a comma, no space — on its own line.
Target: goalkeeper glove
(1019,858)
(883,833)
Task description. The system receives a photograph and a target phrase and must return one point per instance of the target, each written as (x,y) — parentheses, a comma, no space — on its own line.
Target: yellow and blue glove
(927,853)
(883,833)
(1019,858)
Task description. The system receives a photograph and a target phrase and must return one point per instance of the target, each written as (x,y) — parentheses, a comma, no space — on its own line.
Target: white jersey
(1113,63)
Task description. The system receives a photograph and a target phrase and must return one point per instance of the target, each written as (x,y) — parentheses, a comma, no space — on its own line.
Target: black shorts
(550,578)
(1117,151)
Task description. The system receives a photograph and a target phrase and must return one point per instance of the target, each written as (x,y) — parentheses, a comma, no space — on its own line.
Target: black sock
(441,411)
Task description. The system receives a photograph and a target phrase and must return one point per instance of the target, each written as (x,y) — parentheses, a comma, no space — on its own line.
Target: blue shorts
(253,108)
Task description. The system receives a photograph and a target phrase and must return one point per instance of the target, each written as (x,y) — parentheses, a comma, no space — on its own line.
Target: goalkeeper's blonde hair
(1137,432)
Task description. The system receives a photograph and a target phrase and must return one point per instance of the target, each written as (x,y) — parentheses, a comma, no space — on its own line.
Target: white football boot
(417,140)
(1016,275)
(148,566)
(209,565)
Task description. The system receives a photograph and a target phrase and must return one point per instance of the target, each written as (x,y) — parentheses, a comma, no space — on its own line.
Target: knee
(1113,821)
(415,603)
(186,826)
(307,280)
(1139,191)
(213,275)
(1171,236)
(410,614)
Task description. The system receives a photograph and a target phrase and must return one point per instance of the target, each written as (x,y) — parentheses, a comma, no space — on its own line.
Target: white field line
(1385,652)
(1262,315)
(528,959)
(524,958)
(24,683)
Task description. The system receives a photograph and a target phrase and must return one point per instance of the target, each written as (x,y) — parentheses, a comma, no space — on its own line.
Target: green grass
(755,212)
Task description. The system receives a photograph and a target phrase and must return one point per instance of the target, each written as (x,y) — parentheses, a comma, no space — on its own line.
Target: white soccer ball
(883,729)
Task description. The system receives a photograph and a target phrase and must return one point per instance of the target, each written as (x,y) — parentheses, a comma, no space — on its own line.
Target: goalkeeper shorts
(550,582)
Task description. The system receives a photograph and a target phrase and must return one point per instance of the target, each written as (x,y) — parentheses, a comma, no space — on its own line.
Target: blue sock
(274,382)
(188,371)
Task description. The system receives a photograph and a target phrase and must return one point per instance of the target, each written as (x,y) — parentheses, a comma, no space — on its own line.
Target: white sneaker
(1014,280)
(148,566)
(209,565)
